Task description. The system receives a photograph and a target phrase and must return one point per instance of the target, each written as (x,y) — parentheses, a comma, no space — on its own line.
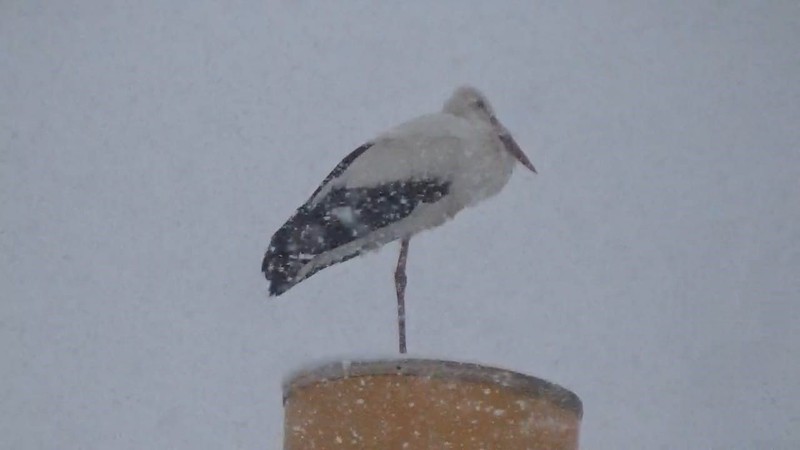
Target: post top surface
(438,369)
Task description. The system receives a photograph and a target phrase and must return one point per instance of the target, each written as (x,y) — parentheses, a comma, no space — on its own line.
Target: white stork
(411,178)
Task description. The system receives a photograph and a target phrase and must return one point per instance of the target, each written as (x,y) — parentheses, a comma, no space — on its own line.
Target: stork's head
(470,103)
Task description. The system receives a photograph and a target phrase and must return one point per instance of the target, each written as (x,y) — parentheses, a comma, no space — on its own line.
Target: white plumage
(413,177)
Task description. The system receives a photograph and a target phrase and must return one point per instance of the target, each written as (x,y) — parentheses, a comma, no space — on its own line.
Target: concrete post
(426,404)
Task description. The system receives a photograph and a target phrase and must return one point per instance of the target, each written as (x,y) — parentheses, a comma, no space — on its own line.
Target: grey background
(149,150)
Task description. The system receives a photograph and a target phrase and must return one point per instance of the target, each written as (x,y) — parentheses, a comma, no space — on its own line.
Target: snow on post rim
(469,372)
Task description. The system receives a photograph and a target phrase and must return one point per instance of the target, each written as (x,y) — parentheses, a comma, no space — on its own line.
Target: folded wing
(340,224)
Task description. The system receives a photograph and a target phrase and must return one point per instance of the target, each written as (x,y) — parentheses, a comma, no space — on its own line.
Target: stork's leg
(400,286)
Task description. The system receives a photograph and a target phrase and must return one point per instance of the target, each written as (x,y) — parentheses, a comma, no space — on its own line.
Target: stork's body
(408,179)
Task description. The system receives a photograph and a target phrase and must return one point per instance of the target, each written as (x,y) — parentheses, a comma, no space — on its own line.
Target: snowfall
(148,151)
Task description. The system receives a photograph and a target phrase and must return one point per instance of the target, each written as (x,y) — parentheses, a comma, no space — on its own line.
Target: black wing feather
(342,216)
(342,166)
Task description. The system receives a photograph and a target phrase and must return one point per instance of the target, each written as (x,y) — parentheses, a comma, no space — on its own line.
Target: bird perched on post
(411,178)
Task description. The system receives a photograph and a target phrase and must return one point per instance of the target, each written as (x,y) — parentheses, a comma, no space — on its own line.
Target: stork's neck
(475,117)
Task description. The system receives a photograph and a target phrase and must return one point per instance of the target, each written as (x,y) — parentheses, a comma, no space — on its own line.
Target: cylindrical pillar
(426,404)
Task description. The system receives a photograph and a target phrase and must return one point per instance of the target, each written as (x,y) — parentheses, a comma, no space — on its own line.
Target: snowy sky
(150,149)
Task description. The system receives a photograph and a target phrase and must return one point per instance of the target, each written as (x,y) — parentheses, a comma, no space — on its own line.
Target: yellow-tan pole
(426,404)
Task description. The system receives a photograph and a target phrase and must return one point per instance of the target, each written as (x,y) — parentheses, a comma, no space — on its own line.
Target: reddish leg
(400,286)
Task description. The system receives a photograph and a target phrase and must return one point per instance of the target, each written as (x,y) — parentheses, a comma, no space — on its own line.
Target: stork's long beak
(511,145)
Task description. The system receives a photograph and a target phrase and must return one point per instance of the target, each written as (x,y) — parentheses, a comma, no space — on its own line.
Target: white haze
(149,150)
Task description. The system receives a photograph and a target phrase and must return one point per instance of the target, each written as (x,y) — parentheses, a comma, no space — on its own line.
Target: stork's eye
(480,104)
